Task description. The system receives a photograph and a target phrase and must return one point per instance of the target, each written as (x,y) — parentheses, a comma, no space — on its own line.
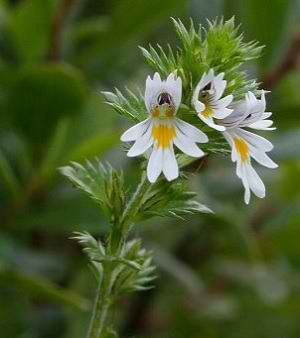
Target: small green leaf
(173,200)
(88,178)
(102,183)
(139,278)
(132,107)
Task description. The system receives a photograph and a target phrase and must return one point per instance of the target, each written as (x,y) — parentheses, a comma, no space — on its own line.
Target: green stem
(117,239)
(135,202)
(120,230)
(101,305)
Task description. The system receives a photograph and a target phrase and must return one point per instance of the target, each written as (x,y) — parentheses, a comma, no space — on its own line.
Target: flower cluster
(162,129)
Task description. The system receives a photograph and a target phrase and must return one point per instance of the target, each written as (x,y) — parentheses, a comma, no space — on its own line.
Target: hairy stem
(135,202)
(117,239)
(120,230)
(101,305)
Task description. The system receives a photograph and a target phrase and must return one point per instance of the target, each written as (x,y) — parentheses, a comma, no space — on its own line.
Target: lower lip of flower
(207,112)
(242,148)
(163,135)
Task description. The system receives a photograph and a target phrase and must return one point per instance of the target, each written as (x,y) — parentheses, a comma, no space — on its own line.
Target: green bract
(220,46)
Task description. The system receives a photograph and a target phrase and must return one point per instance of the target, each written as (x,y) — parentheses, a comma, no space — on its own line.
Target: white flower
(162,129)
(245,145)
(207,99)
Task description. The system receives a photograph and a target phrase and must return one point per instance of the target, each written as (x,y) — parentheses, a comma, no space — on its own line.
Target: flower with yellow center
(249,113)
(162,129)
(208,102)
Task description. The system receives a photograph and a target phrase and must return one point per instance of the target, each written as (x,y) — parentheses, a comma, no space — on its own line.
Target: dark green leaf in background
(266,21)
(30,25)
(40,95)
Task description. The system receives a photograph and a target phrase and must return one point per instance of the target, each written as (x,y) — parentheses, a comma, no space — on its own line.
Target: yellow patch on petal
(163,111)
(242,148)
(207,112)
(170,111)
(155,112)
(163,135)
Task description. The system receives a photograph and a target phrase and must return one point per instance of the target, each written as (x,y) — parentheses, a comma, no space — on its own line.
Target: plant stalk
(101,305)
(117,239)
(120,230)
(135,202)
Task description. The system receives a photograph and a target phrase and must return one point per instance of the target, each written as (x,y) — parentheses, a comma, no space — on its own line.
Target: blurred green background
(231,275)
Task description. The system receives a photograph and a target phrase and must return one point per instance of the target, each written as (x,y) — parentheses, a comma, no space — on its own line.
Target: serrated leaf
(135,279)
(131,107)
(88,178)
(173,200)
(220,46)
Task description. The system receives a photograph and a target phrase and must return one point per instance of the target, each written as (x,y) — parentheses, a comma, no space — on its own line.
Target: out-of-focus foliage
(232,274)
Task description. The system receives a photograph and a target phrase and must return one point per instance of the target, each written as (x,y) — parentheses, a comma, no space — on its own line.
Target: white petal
(263,101)
(255,182)
(222,113)
(224,102)
(135,132)
(173,86)
(255,140)
(244,178)
(170,166)
(263,159)
(187,146)
(219,85)
(199,106)
(239,171)
(191,132)
(237,116)
(246,112)
(210,122)
(205,80)
(247,195)
(153,87)
(254,105)
(141,144)
(262,125)
(229,138)
(251,101)
(155,164)
(266,115)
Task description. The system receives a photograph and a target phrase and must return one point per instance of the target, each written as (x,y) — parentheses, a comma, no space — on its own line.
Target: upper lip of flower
(212,105)
(163,92)
(246,112)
